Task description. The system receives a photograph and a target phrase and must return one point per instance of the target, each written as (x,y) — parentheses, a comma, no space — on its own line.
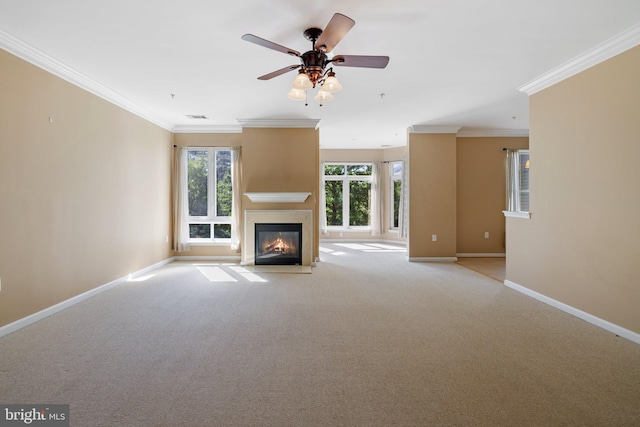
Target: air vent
(196,116)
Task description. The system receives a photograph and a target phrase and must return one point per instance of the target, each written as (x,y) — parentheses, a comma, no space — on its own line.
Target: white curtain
(236,212)
(403,212)
(511,166)
(180,200)
(323,207)
(376,199)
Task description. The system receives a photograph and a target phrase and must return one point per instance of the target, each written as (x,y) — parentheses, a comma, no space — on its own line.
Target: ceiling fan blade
(271,45)
(336,29)
(279,72)
(361,61)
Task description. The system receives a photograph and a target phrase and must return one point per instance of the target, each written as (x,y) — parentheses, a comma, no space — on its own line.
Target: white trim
(482,255)
(273,123)
(611,327)
(493,133)
(432,259)
(35,317)
(608,49)
(434,128)
(277,197)
(207,129)
(40,59)
(514,214)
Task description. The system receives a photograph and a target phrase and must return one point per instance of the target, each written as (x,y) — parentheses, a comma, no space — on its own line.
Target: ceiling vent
(196,116)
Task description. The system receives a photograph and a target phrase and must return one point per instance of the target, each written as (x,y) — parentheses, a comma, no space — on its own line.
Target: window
(517,183)
(347,190)
(395,175)
(209,189)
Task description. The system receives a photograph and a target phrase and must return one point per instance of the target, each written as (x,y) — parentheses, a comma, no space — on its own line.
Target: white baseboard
(35,317)
(481,255)
(604,324)
(432,259)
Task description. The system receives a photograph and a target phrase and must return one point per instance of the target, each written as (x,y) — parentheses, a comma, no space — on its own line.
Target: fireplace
(278,243)
(277,216)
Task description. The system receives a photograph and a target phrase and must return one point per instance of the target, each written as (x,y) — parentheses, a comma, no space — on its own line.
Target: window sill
(513,214)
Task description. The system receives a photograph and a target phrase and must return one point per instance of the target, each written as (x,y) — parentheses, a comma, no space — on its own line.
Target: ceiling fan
(315,67)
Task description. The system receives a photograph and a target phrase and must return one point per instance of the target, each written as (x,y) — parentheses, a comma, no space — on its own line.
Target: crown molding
(207,129)
(494,133)
(434,128)
(41,60)
(279,123)
(608,49)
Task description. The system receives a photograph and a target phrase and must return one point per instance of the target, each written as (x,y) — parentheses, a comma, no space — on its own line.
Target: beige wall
(84,199)
(432,195)
(273,160)
(581,245)
(481,193)
(282,160)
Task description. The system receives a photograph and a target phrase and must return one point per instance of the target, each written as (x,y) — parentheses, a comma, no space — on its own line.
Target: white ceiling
(453,62)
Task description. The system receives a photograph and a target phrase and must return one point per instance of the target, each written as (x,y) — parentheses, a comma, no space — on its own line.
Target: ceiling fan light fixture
(313,69)
(331,83)
(323,96)
(302,81)
(297,94)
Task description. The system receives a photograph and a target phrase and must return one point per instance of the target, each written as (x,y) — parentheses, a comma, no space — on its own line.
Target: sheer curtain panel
(236,164)
(511,175)
(180,200)
(376,200)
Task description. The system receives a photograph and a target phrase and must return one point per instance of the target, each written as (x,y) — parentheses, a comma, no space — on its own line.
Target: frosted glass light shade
(331,84)
(302,81)
(323,96)
(297,94)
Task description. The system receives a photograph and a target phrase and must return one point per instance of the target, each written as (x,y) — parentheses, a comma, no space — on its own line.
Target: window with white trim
(210,195)
(518,182)
(347,188)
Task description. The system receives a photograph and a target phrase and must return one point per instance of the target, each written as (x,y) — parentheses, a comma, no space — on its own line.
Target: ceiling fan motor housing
(313,63)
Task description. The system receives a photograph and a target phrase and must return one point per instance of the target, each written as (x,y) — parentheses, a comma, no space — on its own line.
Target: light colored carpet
(491,267)
(367,339)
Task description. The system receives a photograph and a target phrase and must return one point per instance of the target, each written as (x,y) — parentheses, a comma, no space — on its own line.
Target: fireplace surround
(253,217)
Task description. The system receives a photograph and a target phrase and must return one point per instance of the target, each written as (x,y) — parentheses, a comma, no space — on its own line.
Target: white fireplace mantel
(277,197)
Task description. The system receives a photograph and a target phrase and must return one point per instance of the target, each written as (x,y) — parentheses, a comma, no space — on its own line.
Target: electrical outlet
(486,234)
(166,239)
(434,237)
